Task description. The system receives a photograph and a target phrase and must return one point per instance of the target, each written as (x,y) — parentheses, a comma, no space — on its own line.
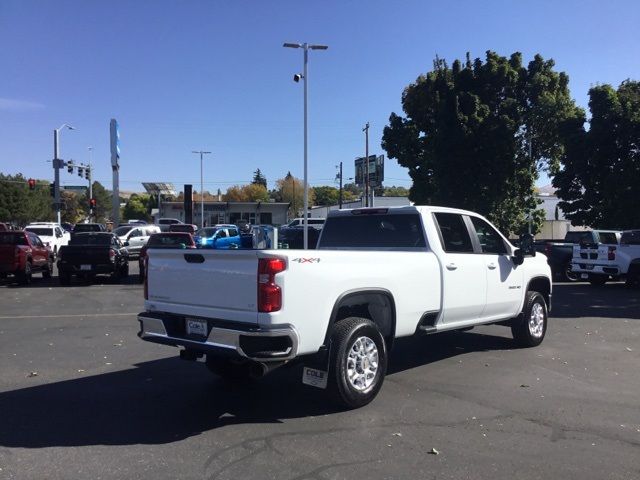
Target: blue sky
(185,75)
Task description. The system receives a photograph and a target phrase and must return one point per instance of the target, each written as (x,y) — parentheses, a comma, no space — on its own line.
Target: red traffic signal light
(92,203)
(32,184)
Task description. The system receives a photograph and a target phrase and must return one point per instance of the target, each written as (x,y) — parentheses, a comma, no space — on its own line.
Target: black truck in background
(559,254)
(91,254)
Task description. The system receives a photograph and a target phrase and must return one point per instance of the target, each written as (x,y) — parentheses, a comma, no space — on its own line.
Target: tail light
(612,253)
(112,255)
(269,294)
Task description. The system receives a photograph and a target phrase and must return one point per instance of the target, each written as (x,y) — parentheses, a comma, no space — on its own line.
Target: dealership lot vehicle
(370,267)
(91,254)
(89,227)
(51,234)
(22,253)
(164,223)
(594,257)
(218,237)
(136,237)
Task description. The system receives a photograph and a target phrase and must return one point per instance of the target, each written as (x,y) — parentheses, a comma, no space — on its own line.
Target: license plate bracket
(85,267)
(196,326)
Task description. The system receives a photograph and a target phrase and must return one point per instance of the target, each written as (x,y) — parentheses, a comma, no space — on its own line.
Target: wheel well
(376,305)
(541,285)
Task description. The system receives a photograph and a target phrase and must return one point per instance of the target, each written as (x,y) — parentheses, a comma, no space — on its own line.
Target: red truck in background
(22,254)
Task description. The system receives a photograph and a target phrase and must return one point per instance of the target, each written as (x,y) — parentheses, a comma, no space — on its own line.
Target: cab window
(233,232)
(453,233)
(489,238)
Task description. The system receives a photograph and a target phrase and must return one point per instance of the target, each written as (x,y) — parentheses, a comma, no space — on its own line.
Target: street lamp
(201,153)
(57,165)
(296,78)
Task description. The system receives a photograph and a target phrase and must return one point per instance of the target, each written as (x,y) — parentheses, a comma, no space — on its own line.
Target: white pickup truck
(599,263)
(378,274)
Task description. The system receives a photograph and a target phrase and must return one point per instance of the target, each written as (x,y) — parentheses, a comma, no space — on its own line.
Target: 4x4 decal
(306,260)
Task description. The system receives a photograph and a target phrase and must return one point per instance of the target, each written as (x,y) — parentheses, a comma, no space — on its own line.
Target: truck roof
(401,210)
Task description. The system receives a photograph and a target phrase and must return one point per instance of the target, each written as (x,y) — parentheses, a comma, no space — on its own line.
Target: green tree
(600,171)
(20,205)
(259,178)
(247,193)
(72,211)
(396,192)
(136,208)
(326,196)
(102,211)
(475,134)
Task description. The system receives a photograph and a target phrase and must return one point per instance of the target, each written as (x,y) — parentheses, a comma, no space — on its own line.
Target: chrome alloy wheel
(536,320)
(362,363)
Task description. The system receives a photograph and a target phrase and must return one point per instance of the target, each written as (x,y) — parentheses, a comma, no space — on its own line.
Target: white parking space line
(71,315)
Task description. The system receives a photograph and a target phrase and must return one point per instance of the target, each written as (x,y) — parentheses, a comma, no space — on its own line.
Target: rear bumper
(94,270)
(594,269)
(223,339)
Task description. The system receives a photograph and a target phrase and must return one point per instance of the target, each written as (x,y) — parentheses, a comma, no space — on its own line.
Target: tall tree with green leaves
(326,195)
(21,205)
(475,134)
(102,211)
(599,178)
(259,178)
(137,208)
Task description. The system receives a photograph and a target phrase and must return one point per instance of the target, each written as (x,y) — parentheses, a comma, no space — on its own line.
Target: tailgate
(7,253)
(86,255)
(218,284)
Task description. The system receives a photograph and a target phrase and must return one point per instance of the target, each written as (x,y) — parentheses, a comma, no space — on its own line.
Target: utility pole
(340,197)
(57,165)
(201,153)
(91,212)
(366,161)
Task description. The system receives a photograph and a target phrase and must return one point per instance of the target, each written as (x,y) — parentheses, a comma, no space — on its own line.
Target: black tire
(116,274)
(598,280)
(568,275)
(24,277)
(228,370)
(528,329)
(349,336)
(47,272)
(64,278)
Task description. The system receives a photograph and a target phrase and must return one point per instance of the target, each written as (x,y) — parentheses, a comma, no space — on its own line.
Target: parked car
(293,237)
(218,237)
(22,253)
(183,228)
(92,253)
(316,223)
(378,274)
(163,240)
(4,227)
(594,257)
(164,223)
(67,227)
(51,234)
(89,227)
(136,237)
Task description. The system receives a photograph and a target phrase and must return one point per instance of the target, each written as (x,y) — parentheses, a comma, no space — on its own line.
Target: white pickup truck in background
(599,263)
(378,274)
(594,257)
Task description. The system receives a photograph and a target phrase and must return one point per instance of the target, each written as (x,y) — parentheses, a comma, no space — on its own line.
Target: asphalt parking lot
(82,397)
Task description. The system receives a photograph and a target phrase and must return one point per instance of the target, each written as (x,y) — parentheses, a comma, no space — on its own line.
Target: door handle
(452,266)
(492,266)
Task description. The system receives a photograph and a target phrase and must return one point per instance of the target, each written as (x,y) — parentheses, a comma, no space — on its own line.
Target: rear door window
(454,234)
(631,238)
(608,237)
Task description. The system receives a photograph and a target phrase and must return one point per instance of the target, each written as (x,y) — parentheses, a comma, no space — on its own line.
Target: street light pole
(366,161)
(201,153)
(90,182)
(57,165)
(306,47)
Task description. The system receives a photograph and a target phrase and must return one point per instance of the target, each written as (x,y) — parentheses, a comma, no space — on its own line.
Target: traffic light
(86,174)
(52,189)
(32,184)
(80,172)
(70,167)
(92,203)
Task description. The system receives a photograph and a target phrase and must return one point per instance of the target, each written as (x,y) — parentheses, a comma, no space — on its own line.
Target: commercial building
(265,213)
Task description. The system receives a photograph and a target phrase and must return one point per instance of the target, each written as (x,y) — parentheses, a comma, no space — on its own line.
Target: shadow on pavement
(166,400)
(612,300)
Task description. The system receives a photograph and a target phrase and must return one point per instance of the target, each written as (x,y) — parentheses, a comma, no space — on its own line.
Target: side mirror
(126,244)
(527,246)
(518,256)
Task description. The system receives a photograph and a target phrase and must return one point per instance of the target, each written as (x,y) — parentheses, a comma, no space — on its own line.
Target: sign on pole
(376,170)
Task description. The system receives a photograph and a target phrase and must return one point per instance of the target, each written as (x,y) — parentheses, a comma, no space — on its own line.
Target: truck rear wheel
(358,362)
(529,328)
